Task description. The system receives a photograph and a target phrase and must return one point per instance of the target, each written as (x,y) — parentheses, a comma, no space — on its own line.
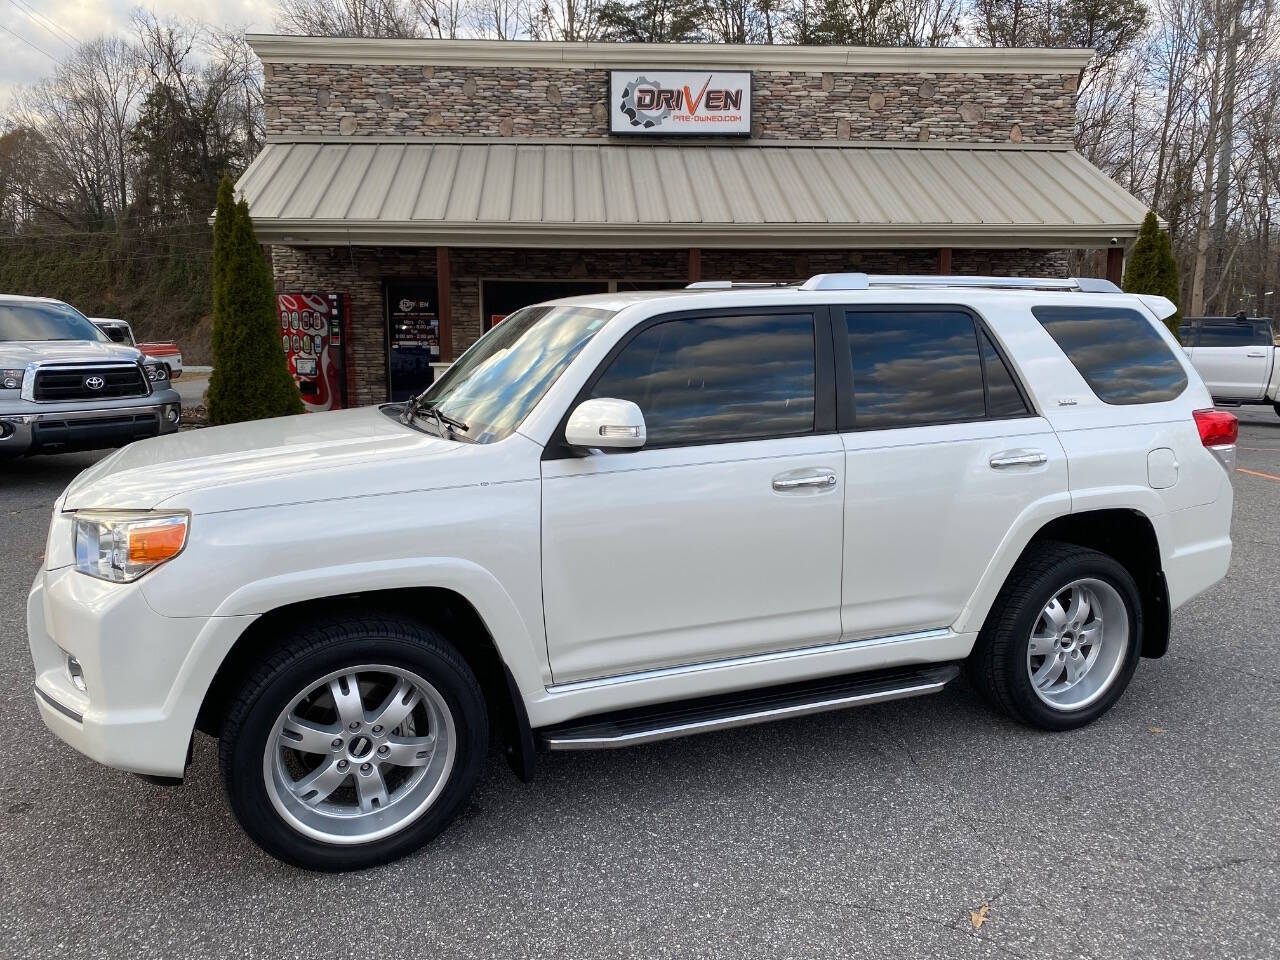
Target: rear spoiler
(1162,307)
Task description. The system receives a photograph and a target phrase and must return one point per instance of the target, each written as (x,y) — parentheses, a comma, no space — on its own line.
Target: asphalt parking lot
(878,832)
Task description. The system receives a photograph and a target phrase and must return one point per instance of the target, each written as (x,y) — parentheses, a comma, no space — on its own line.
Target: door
(1233,357)
(721,537)
(943,455)
(413,337)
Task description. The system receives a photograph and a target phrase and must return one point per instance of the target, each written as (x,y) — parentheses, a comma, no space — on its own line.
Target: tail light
(1217,428)
(1218,432)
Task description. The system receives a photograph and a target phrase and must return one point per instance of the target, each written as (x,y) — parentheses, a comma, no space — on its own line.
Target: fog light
(76,673)
(172,414)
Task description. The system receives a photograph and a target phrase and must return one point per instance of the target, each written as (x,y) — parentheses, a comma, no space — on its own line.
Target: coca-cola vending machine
(311,332)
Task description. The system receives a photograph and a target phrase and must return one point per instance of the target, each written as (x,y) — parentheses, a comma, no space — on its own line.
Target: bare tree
(348,18)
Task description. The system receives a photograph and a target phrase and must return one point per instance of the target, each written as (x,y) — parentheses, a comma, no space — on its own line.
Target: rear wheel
(1062,640)
(355,744)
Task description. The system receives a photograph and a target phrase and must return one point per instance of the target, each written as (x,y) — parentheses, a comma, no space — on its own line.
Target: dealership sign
(665,103)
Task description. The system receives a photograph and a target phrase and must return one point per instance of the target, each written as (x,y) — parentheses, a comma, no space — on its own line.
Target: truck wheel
(354,743)
(1062,640)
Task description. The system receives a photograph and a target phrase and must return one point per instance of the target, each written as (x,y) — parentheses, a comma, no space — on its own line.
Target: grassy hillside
(160,282)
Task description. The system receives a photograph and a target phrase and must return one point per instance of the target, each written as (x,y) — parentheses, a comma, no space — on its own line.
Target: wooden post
(444,306)
(1115,265)
(944,261)
(695,264)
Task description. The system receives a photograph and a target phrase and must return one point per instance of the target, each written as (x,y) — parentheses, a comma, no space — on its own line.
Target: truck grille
(73,383)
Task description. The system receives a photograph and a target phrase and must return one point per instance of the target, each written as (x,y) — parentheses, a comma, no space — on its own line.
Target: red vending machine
(311,332)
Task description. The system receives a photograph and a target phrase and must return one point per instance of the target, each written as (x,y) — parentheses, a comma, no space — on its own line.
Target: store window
(501,298)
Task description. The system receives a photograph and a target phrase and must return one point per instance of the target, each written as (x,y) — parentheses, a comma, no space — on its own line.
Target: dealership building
(433,187)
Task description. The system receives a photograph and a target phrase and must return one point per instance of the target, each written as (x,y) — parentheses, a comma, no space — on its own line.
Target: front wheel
(355,744)
(1062,640)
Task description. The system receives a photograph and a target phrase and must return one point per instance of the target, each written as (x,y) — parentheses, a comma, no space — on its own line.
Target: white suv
(627,517)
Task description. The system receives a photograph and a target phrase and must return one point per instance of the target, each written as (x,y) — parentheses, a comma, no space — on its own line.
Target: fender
(1031,521)
(523,650)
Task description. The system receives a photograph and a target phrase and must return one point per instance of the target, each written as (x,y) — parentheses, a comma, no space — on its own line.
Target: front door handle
(1018,458)
(822,481)
(1260,353)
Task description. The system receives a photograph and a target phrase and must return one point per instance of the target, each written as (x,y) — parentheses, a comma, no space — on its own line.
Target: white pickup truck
(1237,357)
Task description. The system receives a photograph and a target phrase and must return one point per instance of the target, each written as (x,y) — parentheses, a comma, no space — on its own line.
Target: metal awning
(480,192)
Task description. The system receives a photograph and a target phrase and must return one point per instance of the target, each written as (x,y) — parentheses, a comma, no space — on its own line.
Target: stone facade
(403,100)
(361,271)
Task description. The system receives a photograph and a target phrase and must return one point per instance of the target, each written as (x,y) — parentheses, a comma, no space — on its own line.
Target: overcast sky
(84,19)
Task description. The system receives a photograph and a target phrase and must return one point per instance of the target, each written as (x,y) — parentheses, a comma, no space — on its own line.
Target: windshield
(45,321)
(495,384)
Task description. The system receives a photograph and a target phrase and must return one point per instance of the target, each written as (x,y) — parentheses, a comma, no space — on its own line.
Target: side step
(663,721)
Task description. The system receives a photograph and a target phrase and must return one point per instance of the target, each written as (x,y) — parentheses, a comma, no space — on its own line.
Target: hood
(265,463)
(19,353)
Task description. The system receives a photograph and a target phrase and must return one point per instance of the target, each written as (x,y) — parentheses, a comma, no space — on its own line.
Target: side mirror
(607,423)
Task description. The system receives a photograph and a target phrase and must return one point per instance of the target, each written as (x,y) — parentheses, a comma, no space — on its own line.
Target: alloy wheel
(1078,644)
(360,754)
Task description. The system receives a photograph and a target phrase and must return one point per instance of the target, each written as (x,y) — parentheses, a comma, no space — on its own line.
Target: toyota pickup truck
(65,386)
(1237,358)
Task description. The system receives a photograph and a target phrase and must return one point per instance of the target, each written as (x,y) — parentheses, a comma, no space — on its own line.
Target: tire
(359,808)
(1006,656)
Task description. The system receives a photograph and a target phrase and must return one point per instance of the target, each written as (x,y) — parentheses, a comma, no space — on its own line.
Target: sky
(21,62)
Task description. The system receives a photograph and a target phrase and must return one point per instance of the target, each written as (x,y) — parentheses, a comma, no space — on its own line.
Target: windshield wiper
(444,423)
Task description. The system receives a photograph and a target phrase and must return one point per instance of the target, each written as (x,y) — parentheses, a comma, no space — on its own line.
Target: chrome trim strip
(65,711)
(746,719)
(688,668)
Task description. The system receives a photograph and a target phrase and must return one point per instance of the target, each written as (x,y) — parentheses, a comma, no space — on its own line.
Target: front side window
(1241,333)
(1118,352)
(718,378)
(494,385)
(45,321)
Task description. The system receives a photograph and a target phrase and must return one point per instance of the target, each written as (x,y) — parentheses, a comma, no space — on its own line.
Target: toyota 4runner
(627,517)
(65,386)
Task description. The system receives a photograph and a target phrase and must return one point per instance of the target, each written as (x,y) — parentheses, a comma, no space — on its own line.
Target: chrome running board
(664,721)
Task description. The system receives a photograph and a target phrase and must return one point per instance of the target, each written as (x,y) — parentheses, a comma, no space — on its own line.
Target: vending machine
(311,332)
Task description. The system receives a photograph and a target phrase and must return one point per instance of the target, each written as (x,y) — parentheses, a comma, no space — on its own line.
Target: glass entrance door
(413,336)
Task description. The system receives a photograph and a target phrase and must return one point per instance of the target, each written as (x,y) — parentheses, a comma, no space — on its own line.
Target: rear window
(1118,352)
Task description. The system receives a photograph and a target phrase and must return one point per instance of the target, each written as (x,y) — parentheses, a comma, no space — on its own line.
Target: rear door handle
(1018,458)
(822,481)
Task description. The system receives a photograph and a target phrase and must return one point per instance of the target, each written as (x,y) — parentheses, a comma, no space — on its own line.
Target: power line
(42,19)
(29,43)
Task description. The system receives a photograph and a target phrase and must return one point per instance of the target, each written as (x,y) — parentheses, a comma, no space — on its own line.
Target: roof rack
(733,284)
(863,281)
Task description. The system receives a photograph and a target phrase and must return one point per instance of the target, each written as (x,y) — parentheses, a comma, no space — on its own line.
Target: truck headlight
(156,372)
(121,547)
(11,379)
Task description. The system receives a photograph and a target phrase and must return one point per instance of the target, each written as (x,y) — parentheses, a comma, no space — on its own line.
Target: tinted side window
(717,379)
(914,367)
(1003,397)
(1242,334)
(1117,351)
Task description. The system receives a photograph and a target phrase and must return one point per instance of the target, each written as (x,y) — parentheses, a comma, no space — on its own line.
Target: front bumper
(63,428)
(145,674)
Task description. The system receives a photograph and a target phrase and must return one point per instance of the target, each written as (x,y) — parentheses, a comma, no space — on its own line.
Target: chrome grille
(89,382)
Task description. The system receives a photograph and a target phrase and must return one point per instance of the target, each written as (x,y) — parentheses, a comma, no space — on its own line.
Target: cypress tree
(1152,268)
(250,379)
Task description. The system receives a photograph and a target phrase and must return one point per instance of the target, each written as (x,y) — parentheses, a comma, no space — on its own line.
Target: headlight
(156,371)
(11,379)
(121,547)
